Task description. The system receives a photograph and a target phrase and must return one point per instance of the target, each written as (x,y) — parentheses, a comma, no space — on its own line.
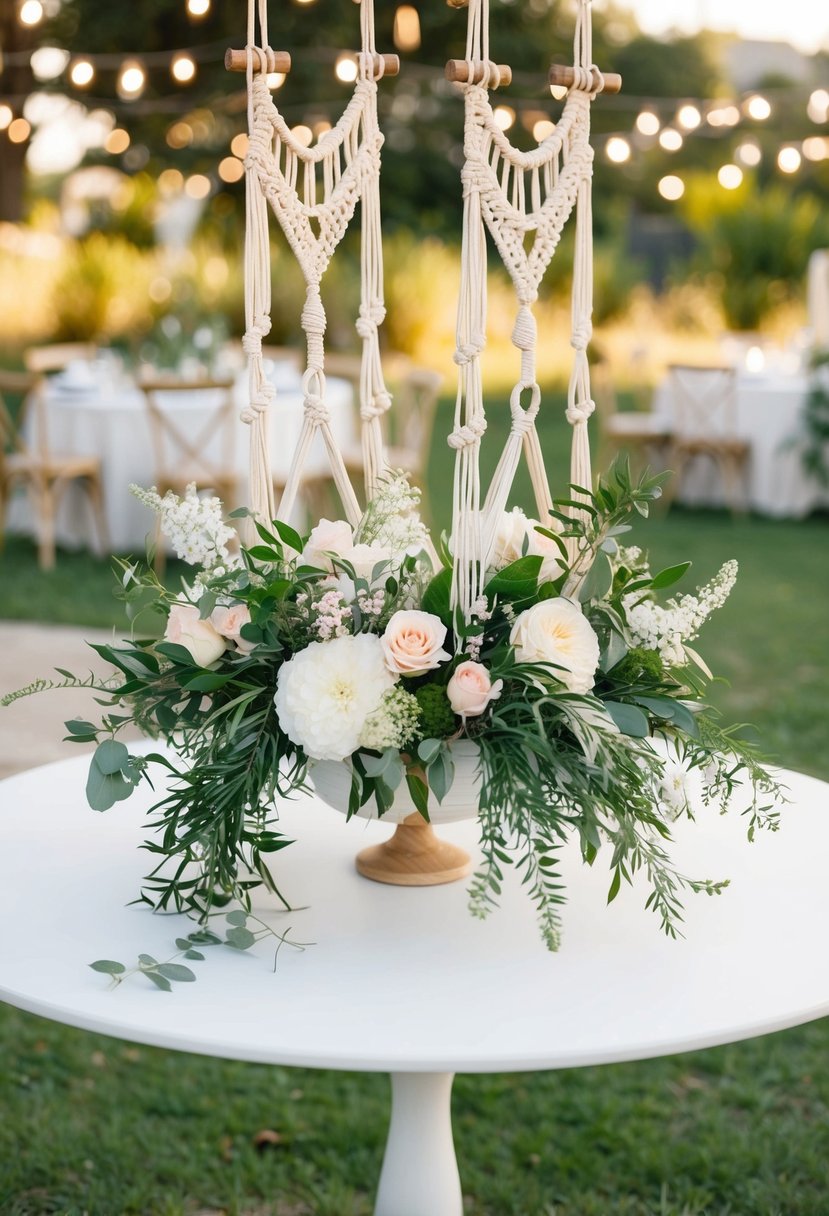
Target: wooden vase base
(414,857)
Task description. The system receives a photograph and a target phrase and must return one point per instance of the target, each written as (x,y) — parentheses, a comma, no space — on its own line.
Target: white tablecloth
(769,415)
(112,423)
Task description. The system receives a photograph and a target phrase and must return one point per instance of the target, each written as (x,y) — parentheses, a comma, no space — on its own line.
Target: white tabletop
(405,979)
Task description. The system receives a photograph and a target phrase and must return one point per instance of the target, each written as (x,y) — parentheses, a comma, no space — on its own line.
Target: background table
(405,980)
(110,421)
(769,413)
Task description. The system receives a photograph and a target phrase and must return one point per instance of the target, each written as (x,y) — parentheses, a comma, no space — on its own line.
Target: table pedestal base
(420,1172)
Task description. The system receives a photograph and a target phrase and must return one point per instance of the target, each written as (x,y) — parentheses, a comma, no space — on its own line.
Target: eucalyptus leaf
(176,972)
(629,718)
(598,580)
(111,756)
(240,938)
(108,967)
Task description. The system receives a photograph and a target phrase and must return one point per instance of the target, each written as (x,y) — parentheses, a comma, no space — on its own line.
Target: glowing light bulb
(648,123)
(788,159)
(198,8)
(815,147)
(406,28)
(197,186)
(504,117)
(19,130)
(82,73)
(6,115)
(239,145)
(748,153)
(47,62)
(30,13)
(542,129)
(183,69)
(303,135)
(758,108)
(730,177)
(346,69)
(689,117)
(275,80)
(670,139)
(671,187)
(132,79)
(818,107)
(231,169)
(117,141)
(617,150)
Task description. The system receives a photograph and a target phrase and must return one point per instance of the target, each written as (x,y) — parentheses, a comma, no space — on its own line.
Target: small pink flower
(470,689)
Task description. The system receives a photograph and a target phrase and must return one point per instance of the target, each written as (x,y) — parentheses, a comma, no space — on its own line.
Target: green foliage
(815,455)
(639,662)
(437,716)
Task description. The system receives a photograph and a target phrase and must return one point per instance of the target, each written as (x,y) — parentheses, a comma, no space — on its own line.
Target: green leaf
(77,726)
(669,576)
(103,790)
(207,681)
(419,791)
(427,749)
(108,967)
(437,597)
(518,580)
(237,917)
(598,581)
(193,954)
(147,960)
(182,943)
(240,938)
(179,654)
(629,718)
(288,536)
(111,756)
(614,886)
(261,553)
(159,981)
(176,972)
(440,774)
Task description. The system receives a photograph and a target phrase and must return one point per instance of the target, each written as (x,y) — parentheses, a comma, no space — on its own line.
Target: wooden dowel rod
(276,61)
(563,75)
(458,3)
(458,70)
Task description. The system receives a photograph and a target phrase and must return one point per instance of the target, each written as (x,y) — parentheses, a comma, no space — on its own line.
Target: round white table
(109,420)
(404,980)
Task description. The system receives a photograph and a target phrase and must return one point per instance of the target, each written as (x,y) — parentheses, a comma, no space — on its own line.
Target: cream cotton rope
(510,194)
(283,172)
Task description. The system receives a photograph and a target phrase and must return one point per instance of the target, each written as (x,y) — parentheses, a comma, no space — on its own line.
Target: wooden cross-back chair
(640,432)
(34,467)
(705,426)
(183,452)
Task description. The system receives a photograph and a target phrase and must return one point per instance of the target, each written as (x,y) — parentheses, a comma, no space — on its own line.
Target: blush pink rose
(413,642)
(200,638)
(470,689)
(228,621)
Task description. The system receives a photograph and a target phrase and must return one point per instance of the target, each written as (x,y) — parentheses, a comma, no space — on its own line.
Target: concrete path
(31,730)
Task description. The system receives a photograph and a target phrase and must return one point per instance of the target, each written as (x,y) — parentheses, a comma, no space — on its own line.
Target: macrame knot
(468,351)
(525,331)
(252,339)
(313,319)
(579,411)
(258,403)
(316,409)
(369,319)
(523,419)
(582,333)
(598,78)
(582,79)
(466,436)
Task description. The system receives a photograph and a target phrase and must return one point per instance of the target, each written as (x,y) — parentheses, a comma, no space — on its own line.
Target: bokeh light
(758,108)
(504,117)
(82,73)
(818,106)
(131,79)
(748,153)
(688,117)
(648,123)
(30,12)
(617,150)
(671,187)
(197,186)
(346,69)
(788,159)
(239,145)
(275,80)
(19,130)
(406,28)
(117,141)
(198,8)
(183,69)
(816,147)
(670,139)
(170,181)
(303,135)
(47,62)
(231,169)
(180,135)
(6,115)
(542,129)
(730,177)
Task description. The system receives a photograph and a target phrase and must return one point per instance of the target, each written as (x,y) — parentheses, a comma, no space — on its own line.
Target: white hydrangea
(666,628)
(194,526)
(325,693)
(393,723)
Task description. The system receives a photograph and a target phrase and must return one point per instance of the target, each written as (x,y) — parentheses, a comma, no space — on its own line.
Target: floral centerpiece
(342,646)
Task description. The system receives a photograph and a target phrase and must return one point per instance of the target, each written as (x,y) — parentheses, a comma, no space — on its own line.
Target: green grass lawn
(92,1125)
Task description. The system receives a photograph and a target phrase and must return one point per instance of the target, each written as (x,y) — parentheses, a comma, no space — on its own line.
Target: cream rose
(556,631)
(199,637)
(228,621)
(413,642)
(541,546)
(329,536)
(470,689)
(516,537)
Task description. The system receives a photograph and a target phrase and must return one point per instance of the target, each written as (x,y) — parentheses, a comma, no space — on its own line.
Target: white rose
(329,536)
(412,642)
(470,689)
(556,631)
(508,544)
(325,693)
(363,559)
(541,546)
(228,621)
(184,627)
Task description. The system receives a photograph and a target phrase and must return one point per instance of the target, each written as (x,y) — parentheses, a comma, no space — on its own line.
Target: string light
(275,80)
(748,152)
(723,116)
(303,135)
(617,150)
(117,141)
(180,135)
(321,128)
(197,186)
(6,115)
(670,139)
(231,169)
(689,117)
(818,107)
(730,177)
(559,91)
(346,69)
(47,62)
(131,79)
(788,159)
(30,13)
(82,73)
(198,8)
(170,181)
(239,145)
(19,130)
(504,117)
(183,69)
(542,129)
(406,28)
(671,187)
(816,147)
(758,108)
(648,123)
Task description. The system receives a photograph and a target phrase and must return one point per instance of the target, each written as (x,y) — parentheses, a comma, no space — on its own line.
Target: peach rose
(228,621)
(329,536)
(470,689)
(413,642)
(202,641)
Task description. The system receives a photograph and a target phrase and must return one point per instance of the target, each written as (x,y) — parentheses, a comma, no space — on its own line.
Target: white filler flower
(326,691)
(556,631)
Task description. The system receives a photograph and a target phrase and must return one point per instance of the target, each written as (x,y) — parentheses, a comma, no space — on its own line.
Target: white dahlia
(325,693)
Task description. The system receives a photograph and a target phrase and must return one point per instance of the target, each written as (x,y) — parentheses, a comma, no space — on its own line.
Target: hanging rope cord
(513,194)
(349,158)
